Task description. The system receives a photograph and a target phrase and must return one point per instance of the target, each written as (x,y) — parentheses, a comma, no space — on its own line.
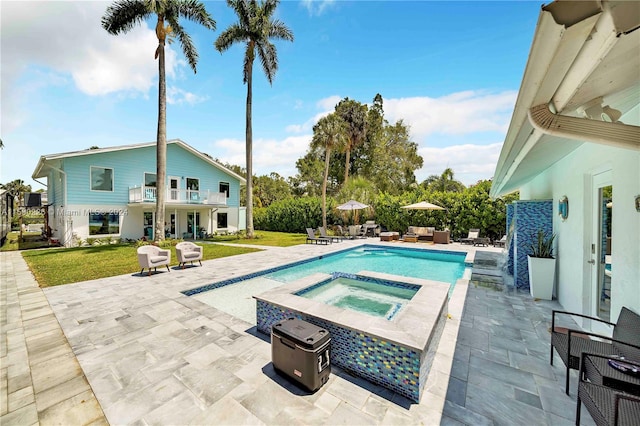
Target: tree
(269,189)
(255,27)
(328,133)
(16,188)
(124,15)
(443,183)
(355,116)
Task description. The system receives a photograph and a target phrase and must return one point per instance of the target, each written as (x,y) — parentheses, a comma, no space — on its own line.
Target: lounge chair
(311,238)
(570,344)
(502,242)
(188,252)
(473,234)
(323,234)
(151,257)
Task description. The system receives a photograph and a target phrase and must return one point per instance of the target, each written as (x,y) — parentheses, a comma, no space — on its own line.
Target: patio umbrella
(423,205)
(352,205)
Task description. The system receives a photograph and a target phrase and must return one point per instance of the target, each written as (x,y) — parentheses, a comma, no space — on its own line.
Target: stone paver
(134,350)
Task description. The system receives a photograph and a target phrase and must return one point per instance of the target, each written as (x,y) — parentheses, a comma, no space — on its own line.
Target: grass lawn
(57,266)
(265,238)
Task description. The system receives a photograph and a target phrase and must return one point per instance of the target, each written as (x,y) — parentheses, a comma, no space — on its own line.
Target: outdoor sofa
(423,232)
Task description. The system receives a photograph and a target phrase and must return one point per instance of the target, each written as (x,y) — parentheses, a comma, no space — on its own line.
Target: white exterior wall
(571,176)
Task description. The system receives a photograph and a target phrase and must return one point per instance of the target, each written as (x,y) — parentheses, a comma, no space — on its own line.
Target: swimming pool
(237,300)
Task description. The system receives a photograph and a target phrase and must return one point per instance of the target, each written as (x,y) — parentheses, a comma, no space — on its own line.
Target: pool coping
(412,328)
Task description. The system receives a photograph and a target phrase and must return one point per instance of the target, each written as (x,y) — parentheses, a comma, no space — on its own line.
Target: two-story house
(104,192)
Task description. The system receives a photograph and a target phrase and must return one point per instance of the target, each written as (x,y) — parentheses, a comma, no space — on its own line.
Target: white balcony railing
(142,194)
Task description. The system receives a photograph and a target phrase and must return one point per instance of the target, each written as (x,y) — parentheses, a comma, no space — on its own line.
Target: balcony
(147,194)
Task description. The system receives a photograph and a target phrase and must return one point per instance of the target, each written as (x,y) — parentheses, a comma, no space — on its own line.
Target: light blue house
(104,192)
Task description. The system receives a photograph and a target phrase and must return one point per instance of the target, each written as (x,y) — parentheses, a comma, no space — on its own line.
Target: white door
(600,240)
(174,189)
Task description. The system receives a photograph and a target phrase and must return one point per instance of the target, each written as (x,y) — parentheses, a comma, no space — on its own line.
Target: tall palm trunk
(346,164)
(249,147)
(161,148)
(327,155)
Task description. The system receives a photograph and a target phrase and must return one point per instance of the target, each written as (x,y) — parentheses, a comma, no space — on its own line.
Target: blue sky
(451,70)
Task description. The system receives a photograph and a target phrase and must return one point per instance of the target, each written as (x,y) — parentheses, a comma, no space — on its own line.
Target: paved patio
(136,351)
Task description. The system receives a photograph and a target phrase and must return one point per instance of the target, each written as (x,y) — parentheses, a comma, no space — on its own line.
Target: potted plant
(542,266)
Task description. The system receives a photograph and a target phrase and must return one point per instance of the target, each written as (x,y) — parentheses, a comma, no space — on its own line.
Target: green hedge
(472,208)
(294,215)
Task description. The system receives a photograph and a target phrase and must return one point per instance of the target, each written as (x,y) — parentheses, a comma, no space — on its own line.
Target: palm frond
(279,30)
(123,15)
(189,50)
(195,11)
(234,34)
(269,59)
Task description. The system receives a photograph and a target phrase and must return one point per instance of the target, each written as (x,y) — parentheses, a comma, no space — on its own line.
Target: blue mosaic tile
(385,363)
(529,216)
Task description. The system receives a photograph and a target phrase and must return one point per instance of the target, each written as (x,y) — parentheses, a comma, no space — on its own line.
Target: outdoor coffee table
(600,372)
(410,238)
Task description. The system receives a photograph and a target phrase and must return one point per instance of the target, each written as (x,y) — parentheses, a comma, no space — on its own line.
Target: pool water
(427,264)
(235,296)
(376,298)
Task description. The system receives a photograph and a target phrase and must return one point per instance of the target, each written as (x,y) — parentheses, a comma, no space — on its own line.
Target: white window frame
(113,179)
(228,187)
(144,178)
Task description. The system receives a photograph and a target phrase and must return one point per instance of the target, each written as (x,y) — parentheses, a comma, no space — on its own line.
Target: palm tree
(443,183)
(255,27)
(16,188)
(355,115)
(120,18)
(329,132)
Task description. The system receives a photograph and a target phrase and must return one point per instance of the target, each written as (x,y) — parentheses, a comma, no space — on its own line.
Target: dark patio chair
(323,234)
(615,402)
(570,344)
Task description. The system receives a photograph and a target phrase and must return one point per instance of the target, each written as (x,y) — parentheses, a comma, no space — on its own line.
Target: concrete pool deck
(151,355)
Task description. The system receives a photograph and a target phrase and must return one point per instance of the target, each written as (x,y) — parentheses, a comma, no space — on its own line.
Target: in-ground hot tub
(394,353)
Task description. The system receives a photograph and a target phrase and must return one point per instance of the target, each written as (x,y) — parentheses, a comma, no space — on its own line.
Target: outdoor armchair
(625,340)
(151,257)
(188,252)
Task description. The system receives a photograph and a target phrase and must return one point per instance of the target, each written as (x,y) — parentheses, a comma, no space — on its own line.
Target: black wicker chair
(619,406)
(625,340)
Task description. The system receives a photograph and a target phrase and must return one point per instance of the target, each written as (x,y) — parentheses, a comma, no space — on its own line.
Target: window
(104,224)
(101,179)
(224,187)
(150,179)
(193,186)
(222,220)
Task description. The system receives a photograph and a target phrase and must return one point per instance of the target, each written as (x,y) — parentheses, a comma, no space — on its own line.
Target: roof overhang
(584,53)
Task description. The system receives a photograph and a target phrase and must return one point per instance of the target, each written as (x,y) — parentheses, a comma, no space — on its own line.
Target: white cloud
(455,114)
(317,7)
(269,155)
(469,162)
(178,96)
(98,63)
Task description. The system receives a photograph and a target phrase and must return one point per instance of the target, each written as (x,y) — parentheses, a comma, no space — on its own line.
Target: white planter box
(542,274)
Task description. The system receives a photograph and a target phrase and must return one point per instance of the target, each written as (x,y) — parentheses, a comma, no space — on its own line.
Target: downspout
(64,196)
(582,129)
